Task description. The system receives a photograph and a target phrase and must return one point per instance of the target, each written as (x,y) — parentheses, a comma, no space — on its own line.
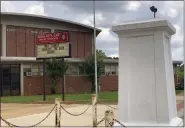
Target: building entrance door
(9,80)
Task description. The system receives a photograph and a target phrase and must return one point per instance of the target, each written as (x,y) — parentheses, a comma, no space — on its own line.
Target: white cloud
(89,19)
(171,8)
(114,55)
(177,43)
(106,37)
(50,5)
(146,2)
(178,37)
(110,49)
(177,54)
(7,6)
(37,9)
(174,4)
(172,12)
(133,5)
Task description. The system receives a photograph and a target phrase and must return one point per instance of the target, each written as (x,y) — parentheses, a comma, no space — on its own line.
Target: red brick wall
(81,43)
(30,38)
(109,83)
(74,84)
(88,44)
(74,44)
(11,41)
(81,52)
(20,41)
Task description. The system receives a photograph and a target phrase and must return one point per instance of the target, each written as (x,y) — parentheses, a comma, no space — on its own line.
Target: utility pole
(95,56)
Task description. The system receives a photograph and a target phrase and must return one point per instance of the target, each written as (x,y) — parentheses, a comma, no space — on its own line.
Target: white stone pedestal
(146,82)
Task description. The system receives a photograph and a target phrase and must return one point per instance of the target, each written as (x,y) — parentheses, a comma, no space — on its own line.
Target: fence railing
(109,117)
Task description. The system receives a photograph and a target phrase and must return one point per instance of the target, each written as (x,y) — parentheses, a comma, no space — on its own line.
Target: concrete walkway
(180,97)
(66,119)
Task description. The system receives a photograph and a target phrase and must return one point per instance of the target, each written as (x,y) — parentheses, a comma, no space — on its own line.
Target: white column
(146,83)
(4,40)
(22,79)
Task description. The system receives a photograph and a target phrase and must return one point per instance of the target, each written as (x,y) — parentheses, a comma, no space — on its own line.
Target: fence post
(94,110)
(109,118)
(57,112)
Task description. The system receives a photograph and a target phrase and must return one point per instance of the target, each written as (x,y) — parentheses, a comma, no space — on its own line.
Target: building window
(103,70)
(107,69)
(72,69)
(111,69)
(26,68)
(117,69)
(36,69)
(81,71)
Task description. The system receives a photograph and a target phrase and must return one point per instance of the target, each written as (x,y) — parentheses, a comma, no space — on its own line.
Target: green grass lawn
(78,98)
(179,91)
(73,98)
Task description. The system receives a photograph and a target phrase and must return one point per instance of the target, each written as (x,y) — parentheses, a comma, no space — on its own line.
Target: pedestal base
(175,122)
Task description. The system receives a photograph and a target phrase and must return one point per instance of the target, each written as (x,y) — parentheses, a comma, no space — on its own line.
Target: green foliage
(55,69)
(101,54)
(180,71)
(89,67)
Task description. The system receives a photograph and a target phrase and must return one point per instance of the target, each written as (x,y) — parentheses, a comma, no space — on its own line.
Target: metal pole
(63,82)
(95,57)
(44,77)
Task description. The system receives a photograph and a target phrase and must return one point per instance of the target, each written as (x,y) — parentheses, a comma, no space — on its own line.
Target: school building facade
(21,73)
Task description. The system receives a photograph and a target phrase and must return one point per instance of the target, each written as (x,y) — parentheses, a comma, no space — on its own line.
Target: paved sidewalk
(180,97)
(66,119)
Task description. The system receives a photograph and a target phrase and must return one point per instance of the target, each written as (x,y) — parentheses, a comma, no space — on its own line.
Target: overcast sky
(108,13)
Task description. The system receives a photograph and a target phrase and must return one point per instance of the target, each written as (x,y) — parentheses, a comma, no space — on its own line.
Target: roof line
(50,18)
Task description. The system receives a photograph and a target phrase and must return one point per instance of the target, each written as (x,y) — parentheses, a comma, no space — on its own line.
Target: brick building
(17,56)
(17,51)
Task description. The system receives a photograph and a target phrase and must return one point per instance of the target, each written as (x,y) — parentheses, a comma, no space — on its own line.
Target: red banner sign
(50,38)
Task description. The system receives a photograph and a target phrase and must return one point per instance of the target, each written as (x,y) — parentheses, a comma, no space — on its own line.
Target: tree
(180,74)
(101,54)
(180,71)
(109,57)
(89,67)
(55,69)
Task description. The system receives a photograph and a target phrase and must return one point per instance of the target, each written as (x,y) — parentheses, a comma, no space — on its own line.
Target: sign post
(53,45)
(44,79)
(63,83)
